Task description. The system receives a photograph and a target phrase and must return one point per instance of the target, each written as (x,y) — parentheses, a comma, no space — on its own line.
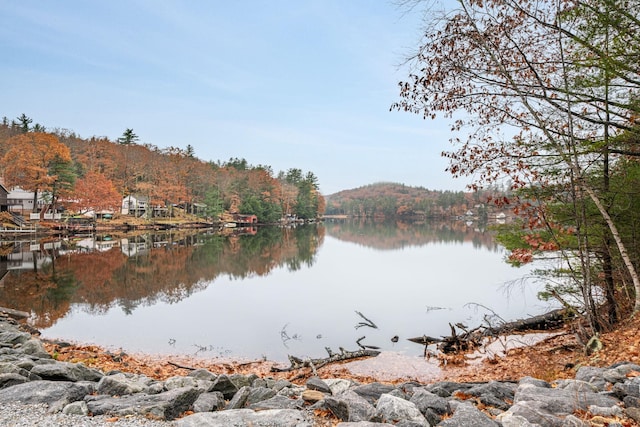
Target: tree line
(393,200)
(96,173)
(548,94)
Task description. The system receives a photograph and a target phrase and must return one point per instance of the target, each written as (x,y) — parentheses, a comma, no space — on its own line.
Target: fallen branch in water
(298,363)
(363,346)
(367,322)
(470,339)
(543,322)
(177,365)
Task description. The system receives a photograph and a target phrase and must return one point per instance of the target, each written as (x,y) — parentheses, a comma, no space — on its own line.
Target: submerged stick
(368,322)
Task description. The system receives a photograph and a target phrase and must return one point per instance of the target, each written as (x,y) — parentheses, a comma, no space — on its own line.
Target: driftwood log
(298,363)
(544,322)
(469,339)
(454,343)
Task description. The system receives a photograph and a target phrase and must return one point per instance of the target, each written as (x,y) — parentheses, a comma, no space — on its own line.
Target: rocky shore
(38,390)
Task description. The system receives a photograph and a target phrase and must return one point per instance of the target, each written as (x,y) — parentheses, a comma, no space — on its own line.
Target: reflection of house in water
(29,257)
(240,231)
(244,219)
(3,269)
(134,246)
(100,243)
(24,255)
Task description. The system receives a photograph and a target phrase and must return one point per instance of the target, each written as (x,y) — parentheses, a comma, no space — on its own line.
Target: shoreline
(388,366)
(94,385)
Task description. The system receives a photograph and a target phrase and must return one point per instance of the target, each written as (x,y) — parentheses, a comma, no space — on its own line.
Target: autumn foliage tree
(34,162)
(95,191)
(545,90)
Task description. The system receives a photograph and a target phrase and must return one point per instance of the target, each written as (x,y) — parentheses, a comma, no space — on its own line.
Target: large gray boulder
(501,390)
(338,385)
(373,391)
(601,377)
(239,399)
(507,419)
(536,414)
(224,385)
(241,380)
(277,402)
(425,400)
(57,394)
(393,409)
(13,368)
(563,401)
(188,381)
(168,405)
(350,406)
(447,388)
(631,387)
(202,374)
(26,362)
(121,384)
(11,379)
(209,402)
(65,371)
(13,337)
(532,413)
(76,408)
(315,383)
(35,348)
(259,394)
(468,415)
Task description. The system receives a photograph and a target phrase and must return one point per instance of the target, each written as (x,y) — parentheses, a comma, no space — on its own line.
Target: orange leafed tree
(30,159)
(95,191)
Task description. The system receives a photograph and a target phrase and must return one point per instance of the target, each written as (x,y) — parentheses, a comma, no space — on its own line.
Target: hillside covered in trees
(393,200)
(95,174)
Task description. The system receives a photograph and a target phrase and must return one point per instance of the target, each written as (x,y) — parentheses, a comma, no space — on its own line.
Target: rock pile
(28,374)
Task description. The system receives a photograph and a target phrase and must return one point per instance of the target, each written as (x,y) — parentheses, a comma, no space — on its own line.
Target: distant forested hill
(388,200)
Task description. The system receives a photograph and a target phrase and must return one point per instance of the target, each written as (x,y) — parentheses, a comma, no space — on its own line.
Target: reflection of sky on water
(317,304)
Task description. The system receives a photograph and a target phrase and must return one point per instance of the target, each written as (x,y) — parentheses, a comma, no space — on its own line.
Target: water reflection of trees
(391,235)
(133,270)
(130,271)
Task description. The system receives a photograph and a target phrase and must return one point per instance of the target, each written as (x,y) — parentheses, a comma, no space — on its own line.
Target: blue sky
(286,83)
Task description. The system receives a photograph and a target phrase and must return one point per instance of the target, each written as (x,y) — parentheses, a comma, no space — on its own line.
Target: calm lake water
(265,292)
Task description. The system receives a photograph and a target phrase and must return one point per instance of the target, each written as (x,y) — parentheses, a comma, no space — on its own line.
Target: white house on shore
(21,201)
(135,204)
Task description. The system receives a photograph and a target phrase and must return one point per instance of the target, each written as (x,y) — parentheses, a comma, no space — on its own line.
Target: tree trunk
(621,248)
(35,200)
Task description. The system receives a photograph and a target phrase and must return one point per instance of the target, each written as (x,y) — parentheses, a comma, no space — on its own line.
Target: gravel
(18,415)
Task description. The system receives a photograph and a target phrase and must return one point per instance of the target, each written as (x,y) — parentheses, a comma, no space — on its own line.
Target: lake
(266,292)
